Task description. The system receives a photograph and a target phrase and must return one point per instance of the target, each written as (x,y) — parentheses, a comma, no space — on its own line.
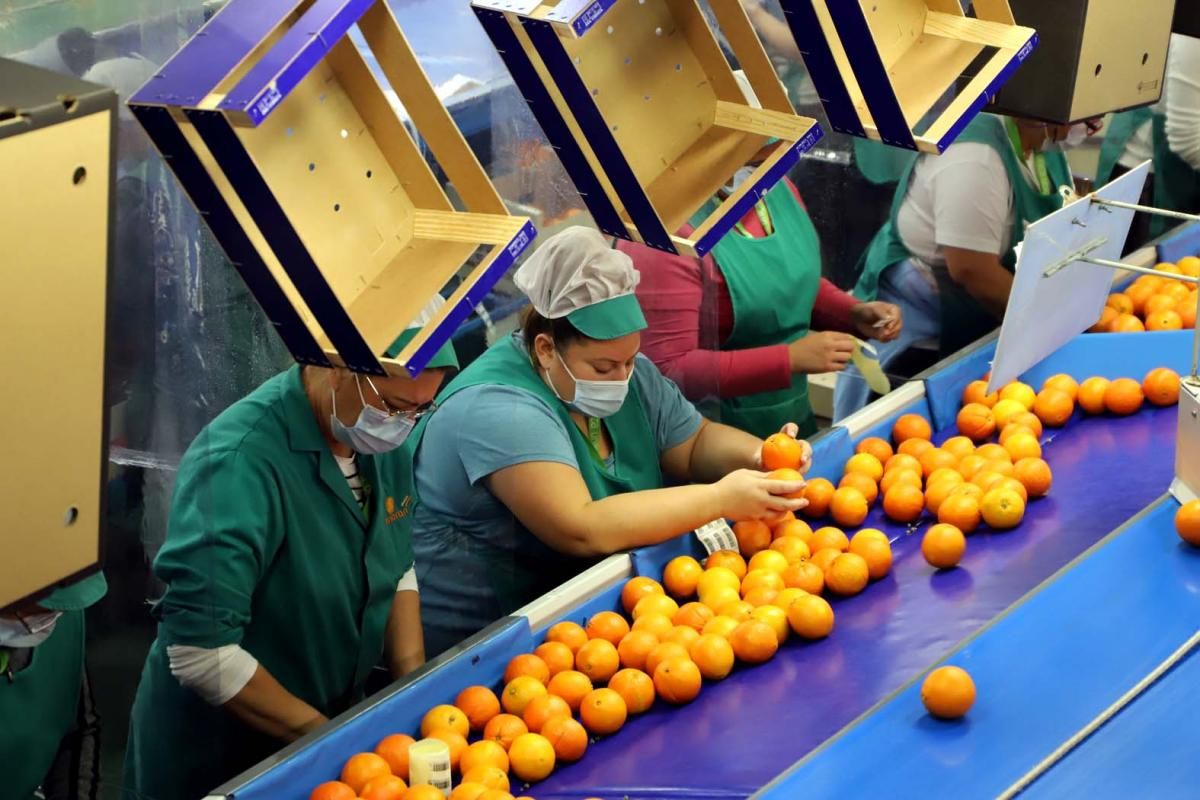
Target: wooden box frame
(645,112)
(880,66)
(286,143)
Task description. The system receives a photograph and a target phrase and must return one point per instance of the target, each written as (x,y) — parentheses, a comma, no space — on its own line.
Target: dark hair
(560,330)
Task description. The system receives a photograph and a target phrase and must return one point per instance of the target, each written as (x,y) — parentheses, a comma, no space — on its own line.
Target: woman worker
(737,324)
(553,449)
(946,255)
(288,566)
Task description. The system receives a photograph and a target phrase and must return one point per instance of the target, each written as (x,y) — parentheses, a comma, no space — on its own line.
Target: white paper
(867,361)
(717,535)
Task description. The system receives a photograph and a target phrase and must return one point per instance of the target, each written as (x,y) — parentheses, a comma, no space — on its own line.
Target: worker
(553,449)
(288,571)
(1168,135)
(51,745)
(718,328)
(945,256)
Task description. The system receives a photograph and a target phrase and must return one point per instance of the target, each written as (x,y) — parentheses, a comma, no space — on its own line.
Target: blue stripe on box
(295,55)
(282,237)
(229,234)
(978,104)
(641,211)
(822,68)
(604,214)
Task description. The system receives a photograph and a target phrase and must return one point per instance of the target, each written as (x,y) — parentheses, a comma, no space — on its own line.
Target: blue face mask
(376,431)
(597,399)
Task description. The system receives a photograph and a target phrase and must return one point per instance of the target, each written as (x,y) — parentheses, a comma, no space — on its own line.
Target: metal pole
(1162,212)
(1170,276)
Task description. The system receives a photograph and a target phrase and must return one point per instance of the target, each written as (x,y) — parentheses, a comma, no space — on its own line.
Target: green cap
(78,595)
(445,357)
(609,319)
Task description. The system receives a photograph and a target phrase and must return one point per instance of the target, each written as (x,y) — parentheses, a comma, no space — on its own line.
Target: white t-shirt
(1180,103)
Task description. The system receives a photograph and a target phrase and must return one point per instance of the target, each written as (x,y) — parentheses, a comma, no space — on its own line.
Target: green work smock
(963,320)
(773,281)
(266,548)
(1176,184)
(532,568)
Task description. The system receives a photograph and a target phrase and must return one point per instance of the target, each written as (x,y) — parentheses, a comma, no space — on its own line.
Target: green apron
(266,548)
(1121,129)
(535,568)
(963,320)
(38,706)
(773,281)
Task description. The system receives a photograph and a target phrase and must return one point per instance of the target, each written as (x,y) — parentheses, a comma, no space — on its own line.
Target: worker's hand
(791,430)
(877,320)
(826,351)
(747,494)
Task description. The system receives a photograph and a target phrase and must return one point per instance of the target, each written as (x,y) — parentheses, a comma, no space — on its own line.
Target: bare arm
(718,450)
(774,32)
(265,705)
(404,640)
(982,276)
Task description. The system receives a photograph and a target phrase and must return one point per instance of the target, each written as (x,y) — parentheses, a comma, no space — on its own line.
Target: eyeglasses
(413,414)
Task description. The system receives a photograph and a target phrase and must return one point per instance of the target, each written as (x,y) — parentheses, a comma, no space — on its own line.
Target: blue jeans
(904,285)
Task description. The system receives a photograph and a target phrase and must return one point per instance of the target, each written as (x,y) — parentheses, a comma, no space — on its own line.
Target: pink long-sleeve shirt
(690,314)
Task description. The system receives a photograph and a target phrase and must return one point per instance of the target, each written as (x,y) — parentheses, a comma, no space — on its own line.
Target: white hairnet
(574,269)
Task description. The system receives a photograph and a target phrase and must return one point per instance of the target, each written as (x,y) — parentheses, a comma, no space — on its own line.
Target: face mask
(597,399)
(1076,136)
(30,632)
(376,432)
(738,179)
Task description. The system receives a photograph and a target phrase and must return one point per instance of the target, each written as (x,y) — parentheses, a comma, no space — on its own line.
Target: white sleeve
(1182,96)
(972,199)
(409,582)
(216,674)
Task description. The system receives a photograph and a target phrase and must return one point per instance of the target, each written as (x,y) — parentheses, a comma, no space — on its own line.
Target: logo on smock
(394,512)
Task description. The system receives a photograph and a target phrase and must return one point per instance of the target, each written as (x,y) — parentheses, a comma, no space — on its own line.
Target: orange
(959,446)
(1120,303)
(1123,396)
(760,579)
(479,703)
(677,679)
(754,642)
(487,777)
(445,716)
(975,421)
(912,477)
(1157,304)
(1053,407)
(1002,509)
(911,426)
(971,465)
(789,475)
(716,578)
(806,576)
(780,451)
(976,392)
(771,560)
(1190,266)
(914,447)
(634,648)
(538,711)
(903,503)
(1016,486)
(424,792)
(943,546)
(695,615)
(504,728)
(761,596)
(558,657)
(1168,267)
(653,604)
(967,489)
(603,712)
(868,533)
(520,690)
(936,458)
(819,494)
(792,548)
(992,452)
(609,625)
(823,558)
(1091,395)
(1034,474)
(876,552)
(774,616)
(1104,323)
(598,659)
(943,474)
(1021,392)
(1164,321)
(495,794)
(948,692)
(1063,383)
(455,741)
(1187,522)
(961,511)
(848,574)
(938,492)
(829,537)
(568,737)
(876,447)
(716,600)
(849,506)
(636,689)
(987,479)
(782,600)
(1187,311)
(794,528)
(571,685)
(486,753)
(385,787)
(902,461)
(1126,323)
(713,655)
(526,664)
(1138,294)
(633,590)
(861,482)
(468,790)
(664,651)
(1006,410)
(660,624)
(730,560)
(1161,387)
(722,625)
(572,634)
(1025,445)
(752,535)
(866,464)
(532,757)
(333,790)
(681,576)
(810,616)
(1174,289)
(394,750)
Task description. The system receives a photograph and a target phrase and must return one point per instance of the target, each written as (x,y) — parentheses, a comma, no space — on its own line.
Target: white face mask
(739,177)
(597,399)
(28,632)
(1076,136)
(376,431)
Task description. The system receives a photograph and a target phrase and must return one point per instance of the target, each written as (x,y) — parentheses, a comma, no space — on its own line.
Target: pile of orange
(1153,302)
